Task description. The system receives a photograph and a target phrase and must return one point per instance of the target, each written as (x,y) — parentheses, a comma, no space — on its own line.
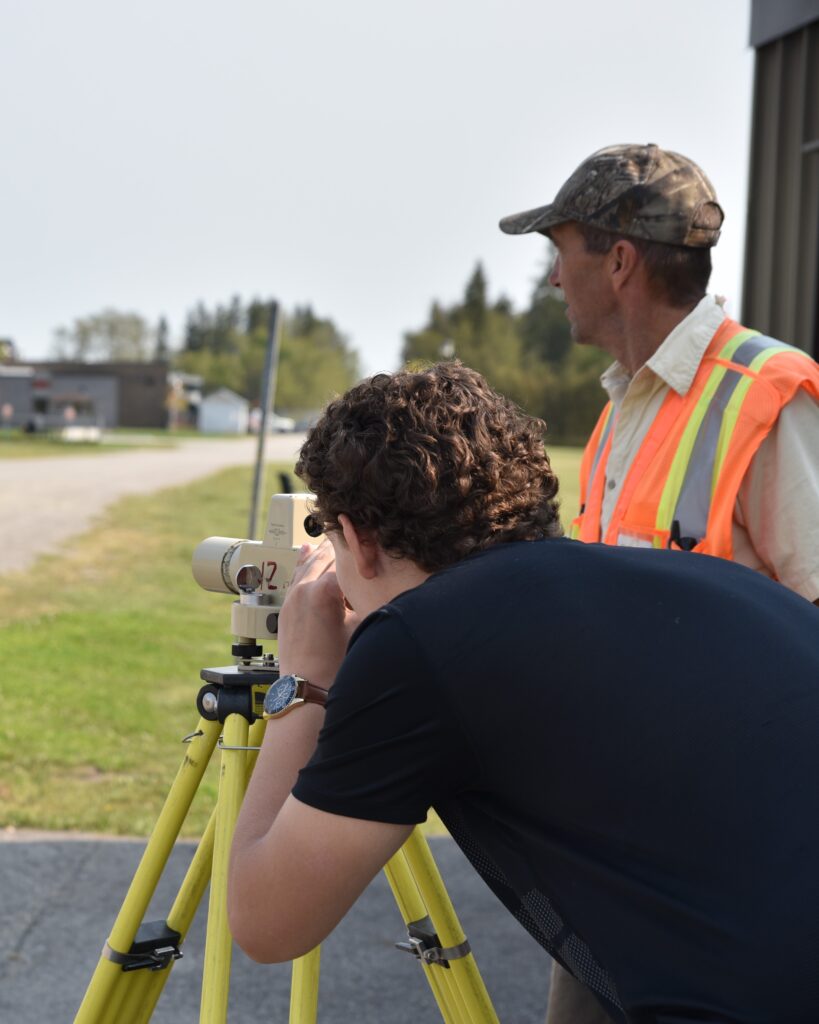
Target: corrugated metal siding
(772,19)
(781,290)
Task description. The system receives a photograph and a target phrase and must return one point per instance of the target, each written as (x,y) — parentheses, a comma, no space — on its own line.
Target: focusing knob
(246,651)
(249,579)
(313,526)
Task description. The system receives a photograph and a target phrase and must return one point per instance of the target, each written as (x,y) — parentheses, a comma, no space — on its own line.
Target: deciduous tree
(108,336)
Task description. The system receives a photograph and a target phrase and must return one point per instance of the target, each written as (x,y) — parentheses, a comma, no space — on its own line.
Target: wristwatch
(288,692)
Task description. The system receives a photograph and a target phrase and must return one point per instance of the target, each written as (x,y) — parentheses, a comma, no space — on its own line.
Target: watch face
(280,694)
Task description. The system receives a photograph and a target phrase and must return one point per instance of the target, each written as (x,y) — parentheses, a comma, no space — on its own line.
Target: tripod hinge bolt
(424,944)
(210,701)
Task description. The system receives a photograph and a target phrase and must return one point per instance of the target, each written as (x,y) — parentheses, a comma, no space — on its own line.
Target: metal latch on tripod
(155,947)
(423,943)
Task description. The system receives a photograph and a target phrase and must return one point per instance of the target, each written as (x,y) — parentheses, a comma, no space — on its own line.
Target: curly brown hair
(434,464)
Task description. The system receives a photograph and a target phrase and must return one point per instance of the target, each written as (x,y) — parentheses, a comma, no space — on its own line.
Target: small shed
(223,412)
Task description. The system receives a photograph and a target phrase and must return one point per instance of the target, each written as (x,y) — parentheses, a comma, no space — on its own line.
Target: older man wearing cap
(710,440)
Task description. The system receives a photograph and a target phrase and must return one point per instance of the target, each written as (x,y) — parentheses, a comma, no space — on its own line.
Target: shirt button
(611,484)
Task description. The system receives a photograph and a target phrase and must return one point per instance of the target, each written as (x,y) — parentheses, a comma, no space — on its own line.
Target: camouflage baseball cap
(641,191)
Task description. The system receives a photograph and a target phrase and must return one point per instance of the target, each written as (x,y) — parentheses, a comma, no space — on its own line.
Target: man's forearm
(287,746)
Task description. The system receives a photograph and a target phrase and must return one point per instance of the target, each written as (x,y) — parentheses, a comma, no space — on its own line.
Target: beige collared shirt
(776,520)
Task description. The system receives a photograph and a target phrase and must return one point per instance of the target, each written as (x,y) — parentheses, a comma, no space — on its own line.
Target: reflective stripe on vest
(604,436)
(684,451)
(698,463)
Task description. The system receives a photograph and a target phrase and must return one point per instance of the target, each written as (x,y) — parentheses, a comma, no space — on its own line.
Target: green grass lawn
(100,653)
(17,445)
(566,463)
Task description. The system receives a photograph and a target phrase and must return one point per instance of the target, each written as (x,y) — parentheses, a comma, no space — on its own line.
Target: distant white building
(223,412)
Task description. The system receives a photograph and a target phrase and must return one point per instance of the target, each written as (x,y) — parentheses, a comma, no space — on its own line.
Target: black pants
(570,1002)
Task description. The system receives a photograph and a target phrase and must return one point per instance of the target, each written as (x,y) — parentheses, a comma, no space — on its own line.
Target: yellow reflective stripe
(728,349)
(729,420)
(679,466)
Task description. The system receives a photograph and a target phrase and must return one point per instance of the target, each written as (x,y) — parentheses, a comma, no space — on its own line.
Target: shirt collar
(676,360)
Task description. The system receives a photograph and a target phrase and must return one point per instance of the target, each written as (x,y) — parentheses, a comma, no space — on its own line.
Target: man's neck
(396,575)
(645,331)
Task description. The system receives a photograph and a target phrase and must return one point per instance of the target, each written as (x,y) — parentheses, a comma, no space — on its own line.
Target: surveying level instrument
(139,955)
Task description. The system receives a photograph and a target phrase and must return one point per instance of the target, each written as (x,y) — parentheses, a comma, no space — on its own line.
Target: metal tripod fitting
(235,690)
(424,944)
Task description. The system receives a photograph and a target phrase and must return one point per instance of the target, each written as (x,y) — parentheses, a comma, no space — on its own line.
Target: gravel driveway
(44,501)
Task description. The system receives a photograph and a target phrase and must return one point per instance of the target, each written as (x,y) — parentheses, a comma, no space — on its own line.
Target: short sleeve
(390,746)
(778,502)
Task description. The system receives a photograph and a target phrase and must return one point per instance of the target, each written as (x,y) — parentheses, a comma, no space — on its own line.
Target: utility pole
(271,366)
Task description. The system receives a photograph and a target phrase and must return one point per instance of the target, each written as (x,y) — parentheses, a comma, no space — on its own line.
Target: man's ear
(624,260)
(362,547)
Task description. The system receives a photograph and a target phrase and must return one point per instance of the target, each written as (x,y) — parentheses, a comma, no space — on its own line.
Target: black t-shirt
(626,746)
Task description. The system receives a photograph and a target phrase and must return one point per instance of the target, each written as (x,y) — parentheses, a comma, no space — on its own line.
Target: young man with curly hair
(660,845)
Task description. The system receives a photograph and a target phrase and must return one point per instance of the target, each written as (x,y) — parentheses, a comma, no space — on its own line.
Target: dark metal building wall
(142,388)
(781,289)
(143,394)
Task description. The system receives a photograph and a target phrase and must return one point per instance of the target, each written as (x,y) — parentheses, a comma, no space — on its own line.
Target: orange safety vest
(681,488)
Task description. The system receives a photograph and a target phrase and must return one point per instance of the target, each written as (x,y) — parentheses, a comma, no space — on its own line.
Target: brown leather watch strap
(312,694)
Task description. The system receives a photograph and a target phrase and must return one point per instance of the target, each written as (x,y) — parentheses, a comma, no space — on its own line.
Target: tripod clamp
(423,943)
(156,946)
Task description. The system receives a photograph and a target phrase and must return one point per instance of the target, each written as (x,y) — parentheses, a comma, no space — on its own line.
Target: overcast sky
(356,156)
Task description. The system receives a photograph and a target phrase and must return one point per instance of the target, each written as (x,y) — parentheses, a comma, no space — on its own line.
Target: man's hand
(315,624)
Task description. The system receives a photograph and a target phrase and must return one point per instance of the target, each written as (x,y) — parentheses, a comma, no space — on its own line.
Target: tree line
(526,355)
(226,346)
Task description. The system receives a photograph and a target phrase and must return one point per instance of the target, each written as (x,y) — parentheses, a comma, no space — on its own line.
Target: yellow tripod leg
(218,945)
(412,908)
(464,970)
(180,917)
(304,988)
(102,998)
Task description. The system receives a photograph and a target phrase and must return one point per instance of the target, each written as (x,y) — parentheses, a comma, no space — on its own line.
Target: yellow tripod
(138,956)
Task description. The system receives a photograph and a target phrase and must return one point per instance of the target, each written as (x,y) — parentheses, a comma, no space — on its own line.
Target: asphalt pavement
(60,897)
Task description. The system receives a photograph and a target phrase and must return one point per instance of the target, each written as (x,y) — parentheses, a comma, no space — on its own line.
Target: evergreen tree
(474,304)
(196,328)
(162,351)
(544,327)
(529,357)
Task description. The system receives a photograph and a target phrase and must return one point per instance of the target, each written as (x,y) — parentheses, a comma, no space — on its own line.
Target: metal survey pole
(271,365)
